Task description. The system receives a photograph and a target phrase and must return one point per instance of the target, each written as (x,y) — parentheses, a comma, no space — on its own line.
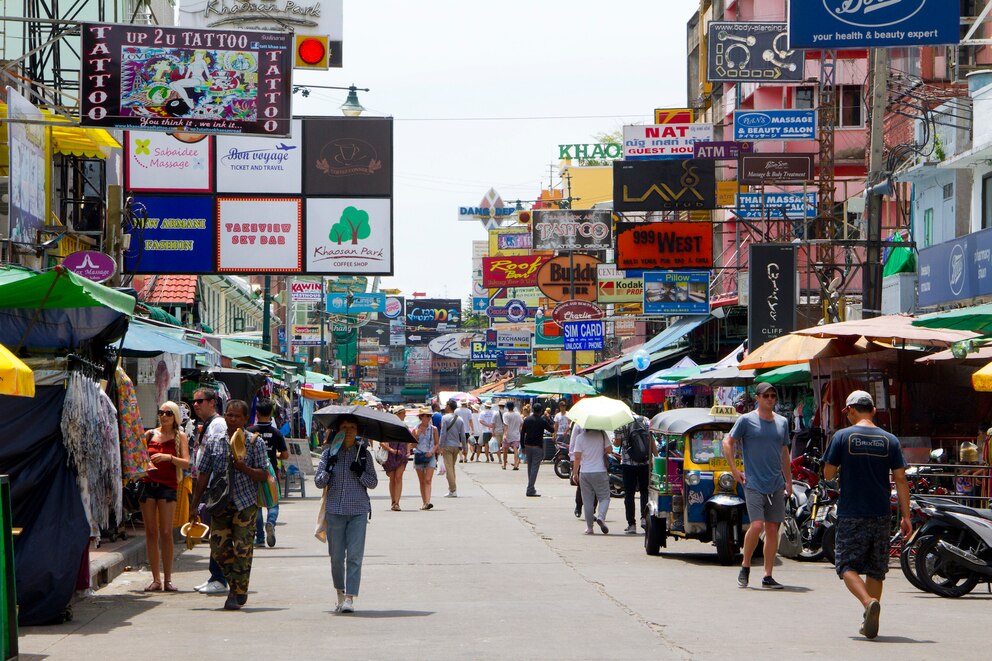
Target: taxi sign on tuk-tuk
(726,412)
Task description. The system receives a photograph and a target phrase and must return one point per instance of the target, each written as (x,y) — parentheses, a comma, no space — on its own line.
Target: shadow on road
(99,615)
(893,639)
(376,615)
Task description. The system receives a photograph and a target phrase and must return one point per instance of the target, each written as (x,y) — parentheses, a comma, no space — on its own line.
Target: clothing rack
(89,367)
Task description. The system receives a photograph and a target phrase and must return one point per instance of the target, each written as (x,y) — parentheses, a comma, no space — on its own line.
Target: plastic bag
(441,469)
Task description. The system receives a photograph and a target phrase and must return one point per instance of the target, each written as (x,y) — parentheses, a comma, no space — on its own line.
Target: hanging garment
(134,454)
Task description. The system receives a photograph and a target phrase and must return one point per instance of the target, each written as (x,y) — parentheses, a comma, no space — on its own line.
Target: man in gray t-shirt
(767,477)
(452,436)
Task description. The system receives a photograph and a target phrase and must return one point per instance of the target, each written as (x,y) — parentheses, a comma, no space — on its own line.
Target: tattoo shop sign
(572,230)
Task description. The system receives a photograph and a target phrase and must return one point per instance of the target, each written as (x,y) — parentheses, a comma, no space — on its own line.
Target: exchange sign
(572,230)
(664,245)
(752,52)
(583,335)
(505,339)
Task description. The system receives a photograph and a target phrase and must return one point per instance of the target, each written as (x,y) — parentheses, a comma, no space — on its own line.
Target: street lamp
(350,108)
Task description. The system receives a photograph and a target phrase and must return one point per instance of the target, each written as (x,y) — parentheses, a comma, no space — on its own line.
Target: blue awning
(658,347)
(144,341)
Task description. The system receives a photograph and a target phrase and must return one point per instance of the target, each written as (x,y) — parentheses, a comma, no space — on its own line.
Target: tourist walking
(533,431)
(212,428)
(347,471)
(512,423)
(865,455)
(168,454)
(276,448)
(452,439)
(589,471)
(637,449)
(395,466)
(464,412)
(425,455)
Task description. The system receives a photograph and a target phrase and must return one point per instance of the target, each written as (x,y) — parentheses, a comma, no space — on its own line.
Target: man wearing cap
(767,477)
(865,455)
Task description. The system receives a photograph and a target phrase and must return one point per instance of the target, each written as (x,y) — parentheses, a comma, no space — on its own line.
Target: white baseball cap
(860,398)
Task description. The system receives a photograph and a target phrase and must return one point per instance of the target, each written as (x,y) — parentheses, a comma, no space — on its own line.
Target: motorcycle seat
(963,509)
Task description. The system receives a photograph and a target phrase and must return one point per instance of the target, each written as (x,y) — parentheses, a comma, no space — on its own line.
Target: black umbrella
(372,423)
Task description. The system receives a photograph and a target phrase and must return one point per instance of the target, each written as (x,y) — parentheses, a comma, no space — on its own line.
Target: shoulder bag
(219,495)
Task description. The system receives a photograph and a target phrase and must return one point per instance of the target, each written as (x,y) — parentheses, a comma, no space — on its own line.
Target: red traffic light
(311,52)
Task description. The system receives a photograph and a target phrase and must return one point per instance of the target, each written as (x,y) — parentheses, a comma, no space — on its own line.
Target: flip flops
(169,587)
(154,586)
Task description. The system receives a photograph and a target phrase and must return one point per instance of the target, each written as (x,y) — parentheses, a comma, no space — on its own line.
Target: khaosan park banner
(179,79)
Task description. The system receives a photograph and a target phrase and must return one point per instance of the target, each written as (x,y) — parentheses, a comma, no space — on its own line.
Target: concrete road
(493,575)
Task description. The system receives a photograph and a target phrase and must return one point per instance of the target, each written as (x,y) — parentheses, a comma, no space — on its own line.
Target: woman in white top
(589,470)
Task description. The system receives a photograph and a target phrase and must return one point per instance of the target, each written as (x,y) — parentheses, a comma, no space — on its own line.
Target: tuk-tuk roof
(679,421)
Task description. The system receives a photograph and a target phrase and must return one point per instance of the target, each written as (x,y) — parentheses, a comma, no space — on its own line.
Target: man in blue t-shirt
(767,477)
(866,454)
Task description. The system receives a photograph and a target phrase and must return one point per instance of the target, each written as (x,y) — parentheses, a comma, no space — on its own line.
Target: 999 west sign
(664,245)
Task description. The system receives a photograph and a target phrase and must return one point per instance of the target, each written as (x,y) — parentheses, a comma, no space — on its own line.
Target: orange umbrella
(793,349)
(890,329)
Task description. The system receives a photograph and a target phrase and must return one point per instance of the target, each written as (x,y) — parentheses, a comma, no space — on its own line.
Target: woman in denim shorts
(425,455)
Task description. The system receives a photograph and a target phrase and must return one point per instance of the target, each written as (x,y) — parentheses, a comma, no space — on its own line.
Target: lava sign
(583,335)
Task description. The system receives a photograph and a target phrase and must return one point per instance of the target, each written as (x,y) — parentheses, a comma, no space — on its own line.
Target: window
(803,99)
(928,228)
(948,191)
(987,201)
(850,106)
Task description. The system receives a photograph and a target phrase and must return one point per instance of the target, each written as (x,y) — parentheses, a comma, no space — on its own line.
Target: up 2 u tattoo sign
(178,79)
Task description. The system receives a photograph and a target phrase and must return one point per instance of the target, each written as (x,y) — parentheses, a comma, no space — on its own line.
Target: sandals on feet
(154,586)
(395,508)
(169,587)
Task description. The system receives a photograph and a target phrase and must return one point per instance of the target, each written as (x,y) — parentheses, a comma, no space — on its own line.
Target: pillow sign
(583,335)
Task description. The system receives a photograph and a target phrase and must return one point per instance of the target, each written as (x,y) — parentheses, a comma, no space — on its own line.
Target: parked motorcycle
(815,517)
(616,475)
(561,461)
(954,549)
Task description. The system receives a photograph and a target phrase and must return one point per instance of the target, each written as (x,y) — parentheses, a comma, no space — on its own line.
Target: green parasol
(557,385)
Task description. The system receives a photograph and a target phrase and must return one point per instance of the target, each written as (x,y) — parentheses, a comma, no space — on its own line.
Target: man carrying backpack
(637,447)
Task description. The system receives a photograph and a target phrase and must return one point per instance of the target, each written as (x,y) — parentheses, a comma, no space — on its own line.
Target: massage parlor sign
(178,79)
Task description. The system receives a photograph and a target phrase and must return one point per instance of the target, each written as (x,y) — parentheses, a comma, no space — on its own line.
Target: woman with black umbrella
(347,471)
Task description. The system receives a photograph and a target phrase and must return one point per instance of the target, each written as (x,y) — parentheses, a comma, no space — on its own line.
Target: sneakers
(743,577)
(602,526)
(630,530)
(199,588)
(770,583)
(534,495)
(578,512)
(451,494)
(270,534)
(348,605)
(869,627)
(337,608)
(213,587)
(588,531)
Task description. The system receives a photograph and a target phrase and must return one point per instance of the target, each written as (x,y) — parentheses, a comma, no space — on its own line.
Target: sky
(483,93)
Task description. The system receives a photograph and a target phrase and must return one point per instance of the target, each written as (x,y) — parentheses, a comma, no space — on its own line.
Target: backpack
(639,441)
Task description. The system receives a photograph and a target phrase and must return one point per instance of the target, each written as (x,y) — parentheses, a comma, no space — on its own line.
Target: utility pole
(267,314)
(871,300)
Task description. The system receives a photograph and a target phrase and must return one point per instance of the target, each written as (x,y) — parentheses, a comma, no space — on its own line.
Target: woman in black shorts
(168,454)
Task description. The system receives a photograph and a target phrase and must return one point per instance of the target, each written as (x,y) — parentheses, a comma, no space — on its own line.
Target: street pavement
(496,575)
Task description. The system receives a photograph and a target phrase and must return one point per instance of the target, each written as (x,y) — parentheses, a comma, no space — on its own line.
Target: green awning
(206,329)
(160,315)
(786,375)
(57,290)
(317,378)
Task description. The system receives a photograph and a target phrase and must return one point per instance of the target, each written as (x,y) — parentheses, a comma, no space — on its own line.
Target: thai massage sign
(572,230)
(259,234)
(511,271)
(664,245)
(175,79)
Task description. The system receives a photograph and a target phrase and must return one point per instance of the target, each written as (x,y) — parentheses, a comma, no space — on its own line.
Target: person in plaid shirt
(232,531)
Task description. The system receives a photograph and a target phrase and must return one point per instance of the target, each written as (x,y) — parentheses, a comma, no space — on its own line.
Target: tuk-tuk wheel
(654,538)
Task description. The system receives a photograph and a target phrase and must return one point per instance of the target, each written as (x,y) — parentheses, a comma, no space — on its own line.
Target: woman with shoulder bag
(168,452)
(395,465)
(425,455)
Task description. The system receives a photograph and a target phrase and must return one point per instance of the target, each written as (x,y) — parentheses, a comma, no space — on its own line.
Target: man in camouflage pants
(232,530)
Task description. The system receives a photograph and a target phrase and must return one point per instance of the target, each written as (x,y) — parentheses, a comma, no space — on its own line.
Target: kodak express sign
(512,271)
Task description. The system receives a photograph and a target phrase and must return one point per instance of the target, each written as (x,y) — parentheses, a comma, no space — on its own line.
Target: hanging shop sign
(511,271)
(418,364)
(395,307)
(568,229)
(338,303)
(772,294)
(158,78)
(349,236)
(454,345)
(754,206)
(664,245)
(305,336)
(688,185)
(625,327)
(306,291)
(577,311)
(510,241)
(168,162)
(727,191)
(173,234)
(91,264)
(28,162)
(774,125)
(560,279)
(514,310)
(491,211)
(397,333)
(956,270)
(604,152)
(721,151)
(619,290)
(583,335)
(434,313)
(674,115)
(663,141)
(513,360)
(242,161)
(873,23)
(508,339)
(259,235)
(752,53)
(480,304)
(775,168)
(348,156)
(483,352)
(676,292)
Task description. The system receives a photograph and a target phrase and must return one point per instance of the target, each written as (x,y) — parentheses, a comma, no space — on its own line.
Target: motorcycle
(954,548)
(814,517)
(615,472)
(562,462)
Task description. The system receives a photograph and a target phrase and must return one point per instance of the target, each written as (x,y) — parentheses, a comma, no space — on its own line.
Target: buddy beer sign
(511,271)
(172,79)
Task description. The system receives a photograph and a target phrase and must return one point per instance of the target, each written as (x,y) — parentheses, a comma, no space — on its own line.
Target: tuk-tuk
(693,492)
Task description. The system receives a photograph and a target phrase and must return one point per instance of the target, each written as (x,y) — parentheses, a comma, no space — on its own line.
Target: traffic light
(311,52)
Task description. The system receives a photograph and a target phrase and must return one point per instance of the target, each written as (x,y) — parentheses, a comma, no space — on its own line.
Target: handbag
(421,459)
(380,454)
(268,490)
(219,492)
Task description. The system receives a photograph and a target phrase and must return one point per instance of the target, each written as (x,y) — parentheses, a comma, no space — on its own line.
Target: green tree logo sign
(353,225)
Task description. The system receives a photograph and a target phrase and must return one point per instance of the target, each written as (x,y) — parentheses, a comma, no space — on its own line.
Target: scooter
(954,549)
(561,461)
(812,519)
(615,472)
